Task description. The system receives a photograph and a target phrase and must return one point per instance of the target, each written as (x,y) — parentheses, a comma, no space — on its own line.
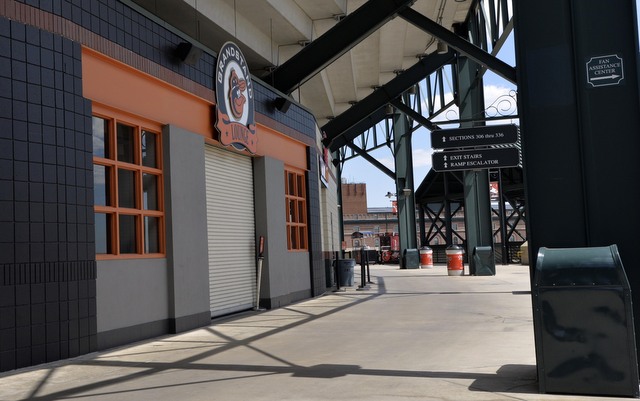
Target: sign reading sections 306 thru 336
(475,136)
(476,159)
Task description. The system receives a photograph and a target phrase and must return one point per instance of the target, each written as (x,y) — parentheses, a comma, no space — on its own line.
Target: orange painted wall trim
(112,83)
(117,85)
(273,144)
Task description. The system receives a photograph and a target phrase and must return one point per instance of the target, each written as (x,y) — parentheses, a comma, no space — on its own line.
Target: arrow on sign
(607,77)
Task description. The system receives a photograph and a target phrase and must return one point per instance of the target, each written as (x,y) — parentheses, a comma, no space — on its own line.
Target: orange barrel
(426,257)
(455,266)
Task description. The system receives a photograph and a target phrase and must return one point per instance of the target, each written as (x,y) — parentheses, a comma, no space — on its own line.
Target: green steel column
(338,163)
(477,202)
(404,184)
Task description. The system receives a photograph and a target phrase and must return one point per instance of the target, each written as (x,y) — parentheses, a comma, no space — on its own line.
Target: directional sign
(475,159)
(476,136)
(605,70)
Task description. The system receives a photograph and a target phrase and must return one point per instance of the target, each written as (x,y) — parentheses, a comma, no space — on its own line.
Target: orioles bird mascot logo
(234,100)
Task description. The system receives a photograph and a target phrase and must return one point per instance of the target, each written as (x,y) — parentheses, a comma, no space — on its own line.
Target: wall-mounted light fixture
(406,191)
(187,53)
(282,104)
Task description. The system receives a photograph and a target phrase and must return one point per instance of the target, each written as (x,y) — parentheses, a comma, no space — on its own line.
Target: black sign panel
(476,136)
(475,159)
(605,70)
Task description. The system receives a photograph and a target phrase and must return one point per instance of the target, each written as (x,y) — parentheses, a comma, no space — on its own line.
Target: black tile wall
(41,173)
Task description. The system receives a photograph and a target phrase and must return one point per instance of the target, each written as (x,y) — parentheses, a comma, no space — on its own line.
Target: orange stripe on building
(116,85)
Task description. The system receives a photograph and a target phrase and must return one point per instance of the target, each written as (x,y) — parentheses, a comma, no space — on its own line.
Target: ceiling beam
(357,129)
(425,122)
(460,44)
(348,125)
(338,40)
(373,161)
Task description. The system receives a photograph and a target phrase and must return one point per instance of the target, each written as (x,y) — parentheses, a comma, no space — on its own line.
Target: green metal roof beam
(338,40)
(339,131)
(460,44)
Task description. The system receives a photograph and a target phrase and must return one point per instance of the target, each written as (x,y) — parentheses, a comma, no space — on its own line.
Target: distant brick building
(354,198)
(362,225)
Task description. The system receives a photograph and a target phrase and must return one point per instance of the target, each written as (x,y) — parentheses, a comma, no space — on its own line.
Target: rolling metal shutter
(231,231)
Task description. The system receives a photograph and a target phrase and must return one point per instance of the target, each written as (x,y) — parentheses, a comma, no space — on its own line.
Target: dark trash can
(411,259)
(483,261)
(585,339)
(345,271)
(330,279)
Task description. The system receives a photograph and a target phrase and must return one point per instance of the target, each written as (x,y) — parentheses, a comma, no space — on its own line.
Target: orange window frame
(112,209)
(296,209)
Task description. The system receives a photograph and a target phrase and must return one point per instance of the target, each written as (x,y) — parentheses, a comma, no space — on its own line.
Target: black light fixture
(282,104)
(187,53)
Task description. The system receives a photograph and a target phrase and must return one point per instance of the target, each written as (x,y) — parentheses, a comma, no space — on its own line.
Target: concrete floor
(412,335)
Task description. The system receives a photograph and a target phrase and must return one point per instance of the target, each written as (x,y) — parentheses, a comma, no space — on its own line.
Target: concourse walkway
(412,335)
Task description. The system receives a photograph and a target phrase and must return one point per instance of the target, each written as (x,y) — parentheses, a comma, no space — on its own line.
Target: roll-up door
(231,231)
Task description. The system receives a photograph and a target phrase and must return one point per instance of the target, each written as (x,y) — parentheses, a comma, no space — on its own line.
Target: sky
(358,170)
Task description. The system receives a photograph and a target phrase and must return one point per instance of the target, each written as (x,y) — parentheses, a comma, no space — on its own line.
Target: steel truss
(487,27)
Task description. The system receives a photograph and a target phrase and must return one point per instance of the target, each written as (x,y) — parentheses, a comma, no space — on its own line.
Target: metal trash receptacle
(345,271)
(483,261)
(585,337)
(330,279)
(426,257)
(411,259)
(455,260)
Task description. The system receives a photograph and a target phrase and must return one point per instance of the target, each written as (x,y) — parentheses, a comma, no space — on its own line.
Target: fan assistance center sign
(605,70)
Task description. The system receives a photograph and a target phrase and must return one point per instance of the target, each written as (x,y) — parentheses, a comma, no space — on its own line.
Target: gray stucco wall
(286,275)
(186,222)
(131,300)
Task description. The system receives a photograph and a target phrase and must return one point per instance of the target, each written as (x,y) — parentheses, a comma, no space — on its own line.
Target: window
(296,210)
(127,172)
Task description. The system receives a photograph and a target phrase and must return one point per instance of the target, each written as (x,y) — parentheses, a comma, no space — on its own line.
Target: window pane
(301,214)
(101,185)
(288,238)
(126,144)
(302,236)
(292,211)
(103,233)
(150,191)
(127,234)
(151,239)
(100,137)
(149,149)
(300,187)
(292,184)
(294,240)
(126,188)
